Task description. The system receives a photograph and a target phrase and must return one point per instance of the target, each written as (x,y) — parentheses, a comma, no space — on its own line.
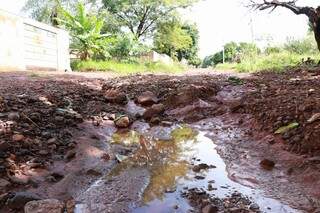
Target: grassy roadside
(276,62)
(126,68)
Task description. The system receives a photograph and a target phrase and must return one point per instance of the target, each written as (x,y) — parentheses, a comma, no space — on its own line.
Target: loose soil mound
(283,99)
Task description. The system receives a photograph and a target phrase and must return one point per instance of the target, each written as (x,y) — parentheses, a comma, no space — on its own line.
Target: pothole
(186,174)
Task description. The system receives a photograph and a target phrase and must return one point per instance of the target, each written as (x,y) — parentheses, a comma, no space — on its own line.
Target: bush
(304,46)
(271,50)
(275,61)
(125,67)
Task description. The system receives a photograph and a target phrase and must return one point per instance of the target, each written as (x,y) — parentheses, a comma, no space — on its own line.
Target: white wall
(28,44)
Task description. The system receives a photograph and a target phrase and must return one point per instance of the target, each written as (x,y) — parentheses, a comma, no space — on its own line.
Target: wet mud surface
(159,144)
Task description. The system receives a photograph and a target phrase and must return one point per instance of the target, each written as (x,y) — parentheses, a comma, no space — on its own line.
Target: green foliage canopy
(47,11)
(142,16)
(179,41)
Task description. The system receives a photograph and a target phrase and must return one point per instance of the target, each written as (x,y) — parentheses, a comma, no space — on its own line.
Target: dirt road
(199,142)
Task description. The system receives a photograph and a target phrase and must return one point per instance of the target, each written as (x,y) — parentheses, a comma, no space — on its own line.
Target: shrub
(125,67)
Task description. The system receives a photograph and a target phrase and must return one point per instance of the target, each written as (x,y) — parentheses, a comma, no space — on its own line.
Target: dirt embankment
(283,99)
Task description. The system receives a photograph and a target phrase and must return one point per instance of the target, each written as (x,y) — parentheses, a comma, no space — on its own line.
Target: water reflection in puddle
(170,164)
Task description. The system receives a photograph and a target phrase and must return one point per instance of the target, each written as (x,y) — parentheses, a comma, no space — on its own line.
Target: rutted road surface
(148,144)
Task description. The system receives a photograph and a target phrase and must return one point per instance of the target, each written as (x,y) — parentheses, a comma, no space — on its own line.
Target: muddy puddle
(179,159)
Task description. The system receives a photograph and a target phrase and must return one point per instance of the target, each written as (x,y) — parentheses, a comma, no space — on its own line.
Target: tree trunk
(316,30)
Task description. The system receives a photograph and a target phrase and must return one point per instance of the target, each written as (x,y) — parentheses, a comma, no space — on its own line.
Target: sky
(221,21)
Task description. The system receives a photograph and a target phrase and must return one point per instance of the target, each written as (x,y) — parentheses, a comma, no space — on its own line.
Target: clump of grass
(126,67)
(276,62)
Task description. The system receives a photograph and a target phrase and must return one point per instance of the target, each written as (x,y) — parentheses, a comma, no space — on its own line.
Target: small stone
(4,146)
(59,118)
(267,164)
(201,166)
(210,187)
(19,199)
(122,122)
(52,141)
(171,190)
(43,152)
(116,96)
(44,206)
(70,206)
(106,157)
(254,207)
(147,98)
(166,123)
(14,116)
(153,111)
(17,137)
(93,172)
(155,120)
(210,209)
(314,118)
(70,154)
(3,183)
(199,177)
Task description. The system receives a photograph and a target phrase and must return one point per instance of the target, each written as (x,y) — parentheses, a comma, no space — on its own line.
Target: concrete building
(26,44)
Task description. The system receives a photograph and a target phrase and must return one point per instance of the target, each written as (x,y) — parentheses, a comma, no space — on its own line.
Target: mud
(72,150)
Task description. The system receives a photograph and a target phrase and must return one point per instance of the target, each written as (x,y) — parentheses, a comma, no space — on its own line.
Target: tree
(48,11)
(191,53)
(85,30)
(233,52)
(172,39)
(212,60)
(141,16)
(313,14)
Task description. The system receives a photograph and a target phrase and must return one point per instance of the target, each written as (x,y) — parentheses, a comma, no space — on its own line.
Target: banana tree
(85,30)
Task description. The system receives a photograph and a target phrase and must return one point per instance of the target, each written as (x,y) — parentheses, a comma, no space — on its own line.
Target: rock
(105,157)
(116,96)
(210,209)
(153,111)
(155,120)
(52,141)
(199,177)
(35,116)
(59,118)
(14,116)
(43,152)
(147,99)
(267,164)
(3,183)
(122,122)
(44,206)
(4,146)
(19,199)
(166,123)
(254,207)
(93,172)
(70,154)
(314,118)
(19,178)
(70,206)
(3,198)
(121,158)
(199,167)
(17,138)
(171,189)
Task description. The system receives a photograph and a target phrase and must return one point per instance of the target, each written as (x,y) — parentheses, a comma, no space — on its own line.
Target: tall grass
(275,61)
(126,68)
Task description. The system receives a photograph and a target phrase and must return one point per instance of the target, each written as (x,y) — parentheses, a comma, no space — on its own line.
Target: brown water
(170,161)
